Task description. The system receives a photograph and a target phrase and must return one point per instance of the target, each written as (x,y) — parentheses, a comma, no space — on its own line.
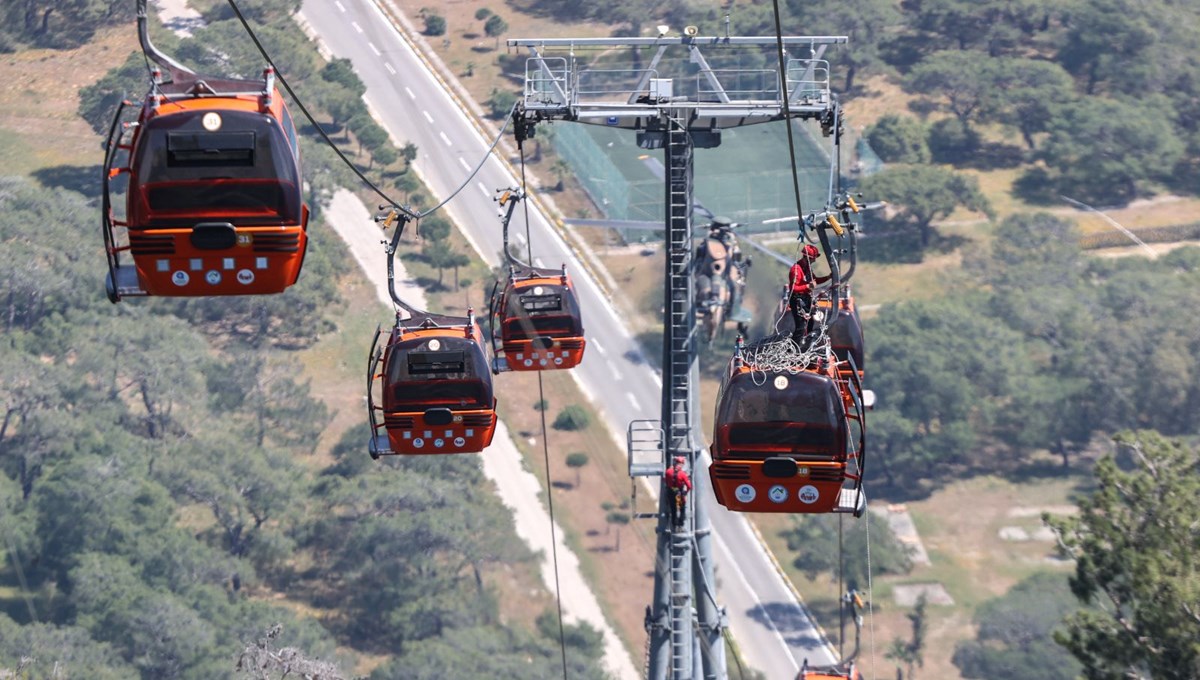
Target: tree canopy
(1135,544)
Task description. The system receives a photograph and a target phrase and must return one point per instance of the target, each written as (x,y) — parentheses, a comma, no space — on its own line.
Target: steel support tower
(676,109)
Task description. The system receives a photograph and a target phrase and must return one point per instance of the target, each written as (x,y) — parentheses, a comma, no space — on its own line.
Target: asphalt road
(771,628)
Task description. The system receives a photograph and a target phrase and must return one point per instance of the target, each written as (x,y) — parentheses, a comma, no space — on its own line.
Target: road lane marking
(754,596)
(427,116)
(389,68)
(356,26)
(444,137)
(374,49)
(483,188)
(463,163)
(340,6)
(633,400)
(538,261)
(410,93)
(612,368)
(599,348)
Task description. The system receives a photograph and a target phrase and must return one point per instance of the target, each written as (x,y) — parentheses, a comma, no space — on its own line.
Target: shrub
(435,24)
(899,139)
(500,103)
(951,142)
(572,418)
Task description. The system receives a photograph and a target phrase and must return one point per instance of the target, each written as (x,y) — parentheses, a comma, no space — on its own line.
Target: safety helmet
(811,251)
(679,460)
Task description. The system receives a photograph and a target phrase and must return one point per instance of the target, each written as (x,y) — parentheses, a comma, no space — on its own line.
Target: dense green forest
(162,514)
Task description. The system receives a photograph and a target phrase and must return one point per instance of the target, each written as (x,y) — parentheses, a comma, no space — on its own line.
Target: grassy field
(960,527)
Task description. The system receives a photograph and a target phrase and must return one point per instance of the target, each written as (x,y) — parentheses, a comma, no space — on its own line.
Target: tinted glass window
(552,311)
(244,172)
(804,398)
(456,373)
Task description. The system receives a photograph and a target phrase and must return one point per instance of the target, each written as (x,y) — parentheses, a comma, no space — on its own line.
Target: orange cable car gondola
(789,433)
(842,672)
(435,382)
(534,320)
(214,201)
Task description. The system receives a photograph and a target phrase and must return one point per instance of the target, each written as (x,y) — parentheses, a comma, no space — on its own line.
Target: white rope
(870,600)
(780,353)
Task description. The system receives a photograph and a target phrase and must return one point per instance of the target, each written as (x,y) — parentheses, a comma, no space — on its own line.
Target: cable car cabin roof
(240,167)
(799,414)
(197,86)
(540,307)
(431,368)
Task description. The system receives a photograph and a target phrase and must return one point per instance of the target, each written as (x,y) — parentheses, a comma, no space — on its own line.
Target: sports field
(747,178)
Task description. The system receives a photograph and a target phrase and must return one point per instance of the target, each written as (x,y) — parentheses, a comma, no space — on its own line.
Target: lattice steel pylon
(676,109)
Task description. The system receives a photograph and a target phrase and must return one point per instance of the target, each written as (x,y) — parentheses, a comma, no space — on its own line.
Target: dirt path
(518,489)
(177,16)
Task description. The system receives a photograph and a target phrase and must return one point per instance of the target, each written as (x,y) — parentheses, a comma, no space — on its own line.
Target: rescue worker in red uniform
(801,283)
(679,484)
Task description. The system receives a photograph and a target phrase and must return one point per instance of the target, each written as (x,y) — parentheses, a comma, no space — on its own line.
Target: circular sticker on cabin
(418,443)
(781,382)
(245,277)
(213,277)
(808,494)
(435,344)
(211,121)
(460,442)
(537,290)
(745,493)
(529,362)
(439,443)
(180,278)
(777,494)
(558,361)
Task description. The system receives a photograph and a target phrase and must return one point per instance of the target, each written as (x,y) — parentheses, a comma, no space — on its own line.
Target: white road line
(765,614)
(389,68)
(519,237)
(444,137)
(483,188)
(356,26)
(464,163)
(633,400)
(427,116)
(410,93)
(612,368)
(537,261)
(340,6)
(374,49)
(596,343)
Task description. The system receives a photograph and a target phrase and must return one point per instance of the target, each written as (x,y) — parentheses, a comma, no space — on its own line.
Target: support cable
(841,589)
(787,110)
(562,635)
(350,164)
(870,600)
(283,81)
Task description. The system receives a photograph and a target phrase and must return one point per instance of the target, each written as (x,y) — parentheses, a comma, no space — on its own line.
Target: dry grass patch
(39,98)
(622,579)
